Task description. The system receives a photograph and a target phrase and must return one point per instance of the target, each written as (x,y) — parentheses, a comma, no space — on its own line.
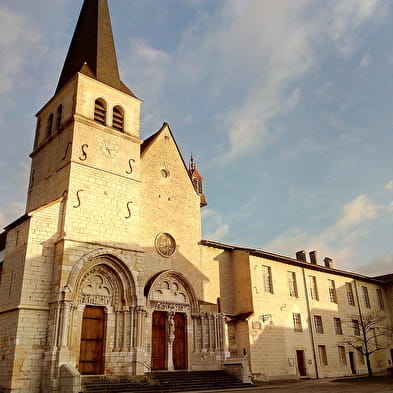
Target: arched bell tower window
(49,125)
(59,115)
(118,118)
(100,111)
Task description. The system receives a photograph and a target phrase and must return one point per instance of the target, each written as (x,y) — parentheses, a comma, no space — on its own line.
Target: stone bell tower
(88,137)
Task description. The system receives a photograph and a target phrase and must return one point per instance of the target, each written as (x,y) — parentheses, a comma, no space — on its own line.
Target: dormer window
(100,111)
(49,125)
(118,118)
(58,116)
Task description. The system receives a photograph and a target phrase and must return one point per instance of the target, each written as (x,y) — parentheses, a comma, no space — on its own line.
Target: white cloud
(271,46)
(346,18)
(357,211)
(380,265)
(364,62)
(294,98)
(213,221)
(389,185)
(16,47)
(148,63)
(338,240)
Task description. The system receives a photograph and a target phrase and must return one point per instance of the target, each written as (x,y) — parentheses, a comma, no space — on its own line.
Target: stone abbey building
(106,272)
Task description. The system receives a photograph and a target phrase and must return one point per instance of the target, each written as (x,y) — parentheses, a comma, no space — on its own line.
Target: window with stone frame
(297,322)
(332,291)
(267,279)
(318,324)
(313,288)
(360,355)
(355,327)
(292,284)
(350,298)
(380,299)
(338,326)
(342,355)
(322,355)
(366,297)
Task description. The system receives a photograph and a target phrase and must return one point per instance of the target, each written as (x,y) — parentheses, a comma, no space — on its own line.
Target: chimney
(328,262)
(313,257)
(301,256)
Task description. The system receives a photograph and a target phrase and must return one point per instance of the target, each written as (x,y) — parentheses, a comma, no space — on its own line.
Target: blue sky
(286,105)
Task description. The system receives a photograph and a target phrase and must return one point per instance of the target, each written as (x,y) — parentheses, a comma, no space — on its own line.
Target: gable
(162,152)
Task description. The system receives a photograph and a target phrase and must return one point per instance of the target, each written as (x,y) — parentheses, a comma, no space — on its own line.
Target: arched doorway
(102,316)
(171,300)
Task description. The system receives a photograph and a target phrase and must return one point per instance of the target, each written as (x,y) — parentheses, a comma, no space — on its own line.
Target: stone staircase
(163,382)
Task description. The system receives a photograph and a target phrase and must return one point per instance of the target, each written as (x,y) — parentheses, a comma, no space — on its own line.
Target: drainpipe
(310,324)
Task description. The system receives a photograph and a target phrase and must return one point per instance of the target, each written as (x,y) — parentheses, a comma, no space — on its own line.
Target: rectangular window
(313,288)
(380,299)
(318,324)
(341,355)
(297,322)
(366,297)
(372,334)
(332,291)
(360,355)
(338,326)
(267,279)
(348,289)
(292,284)
(356,327)
(322,355)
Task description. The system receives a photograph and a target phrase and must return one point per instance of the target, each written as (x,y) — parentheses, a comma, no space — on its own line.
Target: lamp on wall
(265,317)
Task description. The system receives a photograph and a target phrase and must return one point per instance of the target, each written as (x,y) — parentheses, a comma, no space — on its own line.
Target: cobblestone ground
(323,386)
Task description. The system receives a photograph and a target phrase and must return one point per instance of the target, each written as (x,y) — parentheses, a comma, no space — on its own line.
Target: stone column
(64,323)
(126,327)
(224,337)
(171,339)
(140,340)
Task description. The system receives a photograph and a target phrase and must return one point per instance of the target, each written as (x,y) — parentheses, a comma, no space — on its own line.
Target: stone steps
(163,382)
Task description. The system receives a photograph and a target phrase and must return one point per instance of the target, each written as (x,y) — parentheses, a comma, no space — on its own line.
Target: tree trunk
(369,369)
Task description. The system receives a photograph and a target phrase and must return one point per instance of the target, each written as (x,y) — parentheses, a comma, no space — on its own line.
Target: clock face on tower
(108,147)
(165,244)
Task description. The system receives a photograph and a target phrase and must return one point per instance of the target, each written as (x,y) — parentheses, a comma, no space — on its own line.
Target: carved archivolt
(169,291)
(101,280)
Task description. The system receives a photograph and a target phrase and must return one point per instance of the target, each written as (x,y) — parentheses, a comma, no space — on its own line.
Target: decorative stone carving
(165,244)
(169,295)
(99,287)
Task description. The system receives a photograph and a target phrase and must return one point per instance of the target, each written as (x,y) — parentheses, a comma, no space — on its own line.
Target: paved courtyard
(323,386)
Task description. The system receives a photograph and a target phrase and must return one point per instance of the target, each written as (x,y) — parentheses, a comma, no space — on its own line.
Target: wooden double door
(159,349)
(91,357)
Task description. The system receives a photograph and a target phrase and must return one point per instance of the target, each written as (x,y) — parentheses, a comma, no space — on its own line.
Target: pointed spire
(92,48)
(192,164)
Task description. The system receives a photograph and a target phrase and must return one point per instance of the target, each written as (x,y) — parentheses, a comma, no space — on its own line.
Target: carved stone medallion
(165,244)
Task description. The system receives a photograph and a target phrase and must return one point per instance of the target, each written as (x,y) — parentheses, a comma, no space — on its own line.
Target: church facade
(107,273)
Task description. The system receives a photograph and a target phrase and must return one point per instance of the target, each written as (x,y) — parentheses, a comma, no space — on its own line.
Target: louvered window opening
(118,119)
(58,116)
(49,125)
(100,112)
